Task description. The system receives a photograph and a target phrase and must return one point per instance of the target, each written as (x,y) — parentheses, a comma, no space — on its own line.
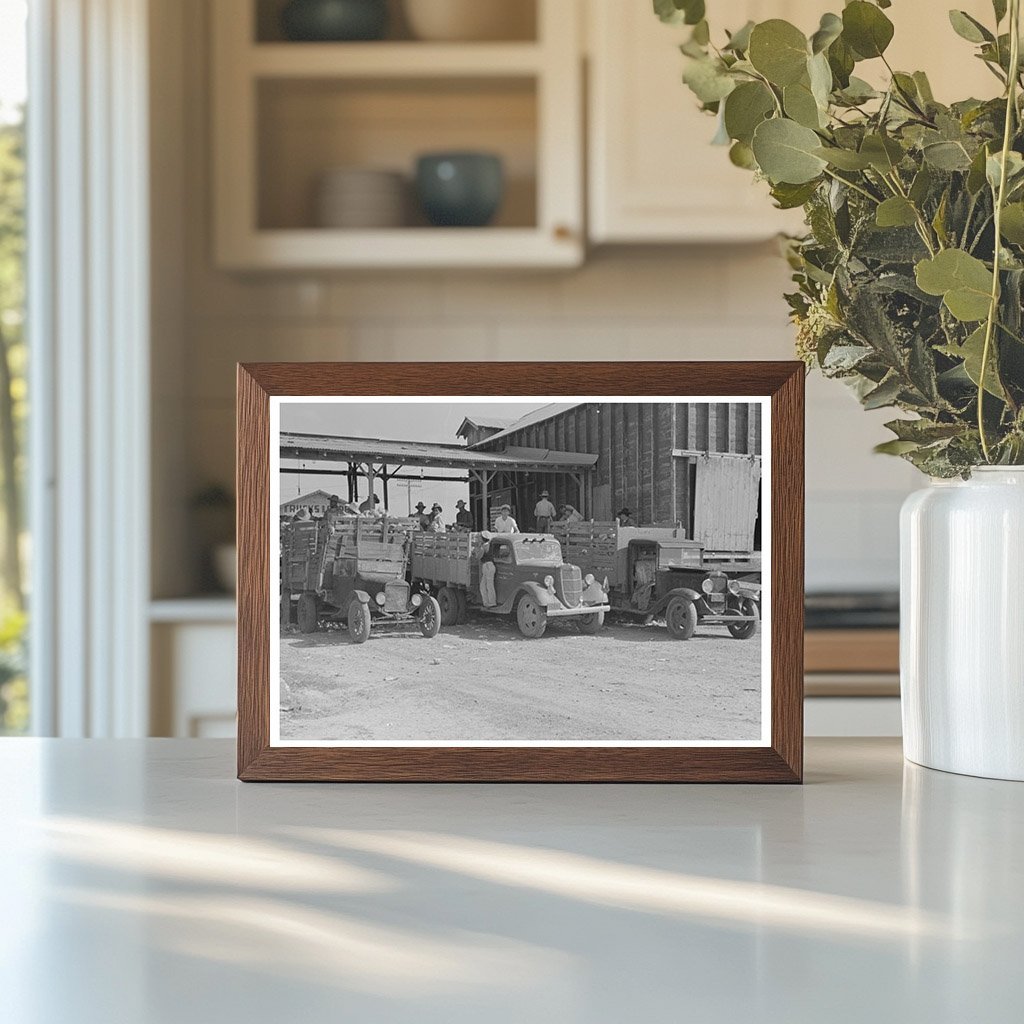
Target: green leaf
(844,159)
(883,153)
(820,77)
(896,212)
(676,12)
(778,50)
(739,41)
(789,197)
(924,87)
(969,28)
(785,152)
(971,352)
(1014,169)
(841,60)
(976,173)
(947,156)
(885,394)
(866,29)
(829,30)
(708,80)
(741,155)
(701,33)
(896,447)
(745,108)
(1012,224)
(921,185)
(800,105)
(963,281)
(999,7)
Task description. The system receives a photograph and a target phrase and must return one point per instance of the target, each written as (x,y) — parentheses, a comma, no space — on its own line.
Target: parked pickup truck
(352,568)
(654,571)
(532,582)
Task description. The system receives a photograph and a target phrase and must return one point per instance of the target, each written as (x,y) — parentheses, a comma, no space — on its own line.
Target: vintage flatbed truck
(352,568)
(532,581)
(656,571)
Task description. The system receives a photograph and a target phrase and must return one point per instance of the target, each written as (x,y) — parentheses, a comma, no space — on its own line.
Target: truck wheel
(307,613)
(591,623)
(429,617)
(286,607)
(448,599)
(531,617)
(681,617)
(745,630)
(358,622)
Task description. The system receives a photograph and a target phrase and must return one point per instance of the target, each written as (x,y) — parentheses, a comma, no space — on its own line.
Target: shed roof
(330,448)
(545,412)
(487,422)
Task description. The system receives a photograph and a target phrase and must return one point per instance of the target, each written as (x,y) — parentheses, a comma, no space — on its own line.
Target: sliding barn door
(725,509)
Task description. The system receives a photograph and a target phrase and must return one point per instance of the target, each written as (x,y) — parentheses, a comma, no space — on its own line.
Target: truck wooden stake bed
(530,582)
(656,571)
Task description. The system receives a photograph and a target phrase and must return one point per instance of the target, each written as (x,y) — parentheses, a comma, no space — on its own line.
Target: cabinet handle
(563,232)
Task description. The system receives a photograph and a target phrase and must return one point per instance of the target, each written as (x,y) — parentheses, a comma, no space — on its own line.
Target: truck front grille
(571,586)
(396,596)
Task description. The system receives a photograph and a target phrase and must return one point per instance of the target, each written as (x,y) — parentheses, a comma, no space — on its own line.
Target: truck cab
(532,580)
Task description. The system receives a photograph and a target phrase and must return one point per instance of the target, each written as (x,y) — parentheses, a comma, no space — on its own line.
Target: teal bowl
(334,21)
(460,190)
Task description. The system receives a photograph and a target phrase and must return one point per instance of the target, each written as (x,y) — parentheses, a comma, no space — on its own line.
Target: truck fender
(687,592)
(540,594)
(749,593)
(361,595)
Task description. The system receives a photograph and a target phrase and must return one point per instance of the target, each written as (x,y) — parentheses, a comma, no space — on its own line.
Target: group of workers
(544,513)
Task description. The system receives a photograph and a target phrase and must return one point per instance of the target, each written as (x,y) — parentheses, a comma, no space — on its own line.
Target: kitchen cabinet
(286,113)
(653,175)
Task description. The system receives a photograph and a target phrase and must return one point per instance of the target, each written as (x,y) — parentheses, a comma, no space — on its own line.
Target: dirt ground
(483,681)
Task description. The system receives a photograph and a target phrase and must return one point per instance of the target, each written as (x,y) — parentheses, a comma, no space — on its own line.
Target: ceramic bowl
(460,189)
(334,20)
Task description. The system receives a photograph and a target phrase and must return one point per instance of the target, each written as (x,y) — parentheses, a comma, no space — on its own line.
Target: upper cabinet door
(654,175)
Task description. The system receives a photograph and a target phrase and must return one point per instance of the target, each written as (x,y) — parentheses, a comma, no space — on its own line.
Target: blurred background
(249,180)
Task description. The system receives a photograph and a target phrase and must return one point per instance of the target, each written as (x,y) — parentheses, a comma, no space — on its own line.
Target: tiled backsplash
(705,303)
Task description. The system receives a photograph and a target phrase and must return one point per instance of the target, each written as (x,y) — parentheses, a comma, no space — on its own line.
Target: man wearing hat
(625,517)
(422,516)
(463,517)
(505,523)
(570,515)
(544,512)
(436,524)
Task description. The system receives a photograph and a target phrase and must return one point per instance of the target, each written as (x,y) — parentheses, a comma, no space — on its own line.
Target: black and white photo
(520,572)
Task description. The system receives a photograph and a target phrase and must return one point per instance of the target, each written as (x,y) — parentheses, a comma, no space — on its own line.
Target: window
(14,704)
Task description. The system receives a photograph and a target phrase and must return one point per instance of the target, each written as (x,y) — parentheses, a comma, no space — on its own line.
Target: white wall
(665,303)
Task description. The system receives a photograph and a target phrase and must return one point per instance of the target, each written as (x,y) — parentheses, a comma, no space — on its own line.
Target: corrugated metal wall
(636,467)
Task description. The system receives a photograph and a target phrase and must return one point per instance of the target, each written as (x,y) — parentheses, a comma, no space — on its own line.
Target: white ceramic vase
(962,624)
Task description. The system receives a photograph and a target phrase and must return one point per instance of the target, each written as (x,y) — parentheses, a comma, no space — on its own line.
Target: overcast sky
(396,421)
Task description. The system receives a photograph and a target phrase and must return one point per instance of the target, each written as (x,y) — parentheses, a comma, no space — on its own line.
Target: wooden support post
(384,477)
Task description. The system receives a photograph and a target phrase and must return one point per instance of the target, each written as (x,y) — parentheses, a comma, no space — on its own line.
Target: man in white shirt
(505,523)
(544,512)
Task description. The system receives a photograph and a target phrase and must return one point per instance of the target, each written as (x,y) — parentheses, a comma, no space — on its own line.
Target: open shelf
(286,114)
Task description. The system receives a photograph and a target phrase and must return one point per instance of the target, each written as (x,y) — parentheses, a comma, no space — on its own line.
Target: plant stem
(993,309)
(849,184)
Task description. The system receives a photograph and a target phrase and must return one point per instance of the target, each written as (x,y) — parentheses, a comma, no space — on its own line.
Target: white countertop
(142,884)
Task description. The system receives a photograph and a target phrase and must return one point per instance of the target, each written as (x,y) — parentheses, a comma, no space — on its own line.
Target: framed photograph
(520,572)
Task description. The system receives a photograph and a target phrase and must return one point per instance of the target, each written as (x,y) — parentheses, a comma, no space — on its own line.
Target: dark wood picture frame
(781,761)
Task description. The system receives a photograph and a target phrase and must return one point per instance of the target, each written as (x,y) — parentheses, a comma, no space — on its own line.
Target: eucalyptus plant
(910,278)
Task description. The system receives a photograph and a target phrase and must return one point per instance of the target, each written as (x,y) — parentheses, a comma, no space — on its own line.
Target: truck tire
(358,622)
(591,623)
(463,607)
(681,617)
(448,599)
(307,613)
(745,630)
(286,607)
(429,617)
(531,618)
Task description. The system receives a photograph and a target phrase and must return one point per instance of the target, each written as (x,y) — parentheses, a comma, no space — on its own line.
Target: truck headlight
(380,599)
(549,582)
(707,586)
(734,587)
(588,580)
(417,600)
